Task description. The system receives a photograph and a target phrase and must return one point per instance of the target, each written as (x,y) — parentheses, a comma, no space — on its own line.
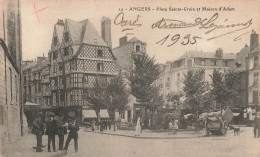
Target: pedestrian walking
(109,124)
(257,125)
(93,125)
(138,127)
(170,126)
(62,130)
(176,127)
(105,124)
(38,130)
(101,125)
(73,134)
(51,131)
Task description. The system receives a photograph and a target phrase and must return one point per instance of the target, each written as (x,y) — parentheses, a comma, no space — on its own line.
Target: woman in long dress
(138,127)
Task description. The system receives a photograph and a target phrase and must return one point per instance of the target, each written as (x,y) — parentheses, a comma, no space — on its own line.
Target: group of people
(174,127)
(257,125)
(105,124)
(55,127)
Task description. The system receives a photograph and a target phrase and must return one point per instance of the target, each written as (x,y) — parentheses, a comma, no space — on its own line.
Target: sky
(163,44)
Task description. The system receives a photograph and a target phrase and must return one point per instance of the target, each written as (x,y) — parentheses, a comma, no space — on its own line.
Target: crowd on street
(55,126)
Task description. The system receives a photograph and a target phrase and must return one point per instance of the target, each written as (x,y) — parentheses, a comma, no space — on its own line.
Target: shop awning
(236,114)
(104,113)
(203,115)
(89,114)
(32,106)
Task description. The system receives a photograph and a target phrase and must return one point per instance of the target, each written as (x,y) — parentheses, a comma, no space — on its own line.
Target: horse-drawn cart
(216,123)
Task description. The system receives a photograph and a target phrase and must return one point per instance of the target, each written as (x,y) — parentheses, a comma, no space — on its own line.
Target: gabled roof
(59,31)
(91,35)
(75,30)
(134,39)
(84,32)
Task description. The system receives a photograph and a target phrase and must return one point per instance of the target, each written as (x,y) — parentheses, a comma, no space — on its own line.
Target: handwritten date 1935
(174,39)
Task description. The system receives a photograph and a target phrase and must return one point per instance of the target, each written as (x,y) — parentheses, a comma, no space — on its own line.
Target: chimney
(219,53)
(122,41)
(106,31)
(60,22)
(40,59)
(253,40)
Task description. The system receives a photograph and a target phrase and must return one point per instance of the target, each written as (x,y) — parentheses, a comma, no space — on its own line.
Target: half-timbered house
(78,57)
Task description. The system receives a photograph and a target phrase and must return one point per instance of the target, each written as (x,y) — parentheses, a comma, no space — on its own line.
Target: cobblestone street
(118,146)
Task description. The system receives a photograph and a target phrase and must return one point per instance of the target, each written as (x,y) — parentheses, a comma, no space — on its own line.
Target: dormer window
(238,64)
(225,63)
(100,53)
(55,55)
(179,64)
(137,48)
(66,51)
(214,63)
(66,37)
(55,41)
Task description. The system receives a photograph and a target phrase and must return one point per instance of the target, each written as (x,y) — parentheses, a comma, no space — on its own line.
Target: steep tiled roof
(80,33)
(40,64)
(134,39)
(59,31)
(75,30)
(29,66)
(91,35)
(84,32)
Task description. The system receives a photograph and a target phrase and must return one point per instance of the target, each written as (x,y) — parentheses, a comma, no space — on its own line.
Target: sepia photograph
(129,78)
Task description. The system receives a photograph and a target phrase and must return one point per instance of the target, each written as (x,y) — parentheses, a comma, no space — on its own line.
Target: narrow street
(118,146)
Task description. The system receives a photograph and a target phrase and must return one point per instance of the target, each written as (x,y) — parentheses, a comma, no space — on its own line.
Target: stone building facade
(170,80)
(12,120)
(32,80)
(240,65)
(254,72)
(124,65)
(9,97)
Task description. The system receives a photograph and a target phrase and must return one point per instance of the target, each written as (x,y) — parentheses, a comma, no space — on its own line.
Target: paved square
(102,145)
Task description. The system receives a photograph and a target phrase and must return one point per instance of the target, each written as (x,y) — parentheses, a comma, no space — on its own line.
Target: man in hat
(257,125)
(51,131)
(62,129)
(73,134)
(38,128)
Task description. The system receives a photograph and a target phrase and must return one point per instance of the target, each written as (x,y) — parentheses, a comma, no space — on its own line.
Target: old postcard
(129,78)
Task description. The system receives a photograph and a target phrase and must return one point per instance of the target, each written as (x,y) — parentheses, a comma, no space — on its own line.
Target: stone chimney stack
(12,30)
(122,41)
(60,22)
(106,30)
(219,53)
(253,40)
